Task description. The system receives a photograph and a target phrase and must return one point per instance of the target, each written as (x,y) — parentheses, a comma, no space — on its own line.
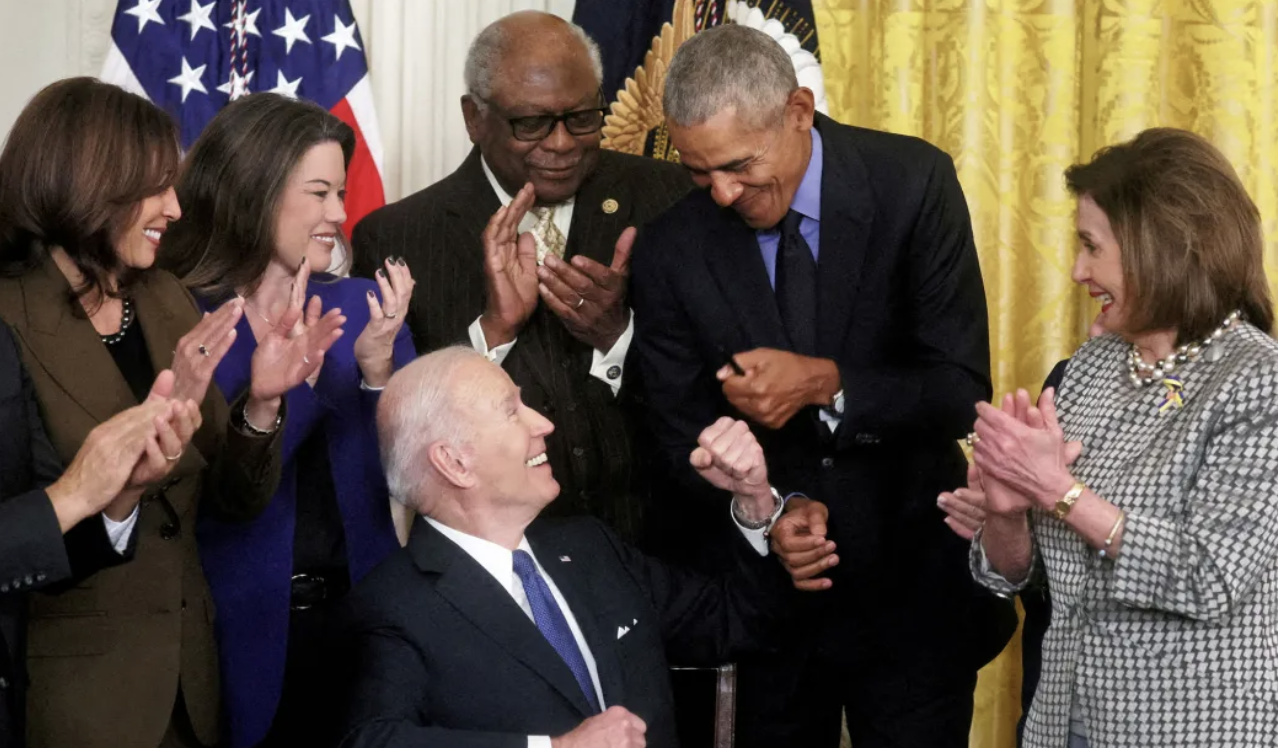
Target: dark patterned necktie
(550,620)
(796,287)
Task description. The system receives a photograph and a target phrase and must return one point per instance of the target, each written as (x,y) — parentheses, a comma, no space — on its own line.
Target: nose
(335,208)
(172,210)
(538,425)
(1080,273)
(724,189)
(559,140)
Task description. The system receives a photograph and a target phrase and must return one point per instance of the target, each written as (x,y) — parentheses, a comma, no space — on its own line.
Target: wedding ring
(175,457)
(204,351)
(580,300)
(392,315)
(972,439)
(306,360)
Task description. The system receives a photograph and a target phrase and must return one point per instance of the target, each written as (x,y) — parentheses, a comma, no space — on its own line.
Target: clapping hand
(375,346)
(588,296)
(289,353)
(510,271)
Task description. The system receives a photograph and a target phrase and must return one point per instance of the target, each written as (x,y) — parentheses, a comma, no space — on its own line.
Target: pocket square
(622,631)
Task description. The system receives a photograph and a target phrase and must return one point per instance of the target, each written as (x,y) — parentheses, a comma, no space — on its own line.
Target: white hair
(491,44)
(418,408)
(729,66)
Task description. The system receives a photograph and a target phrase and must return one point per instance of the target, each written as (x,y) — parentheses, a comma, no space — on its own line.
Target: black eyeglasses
(539,127)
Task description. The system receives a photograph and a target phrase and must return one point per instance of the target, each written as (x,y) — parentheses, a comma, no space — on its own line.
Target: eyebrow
(734,165)
(324,182)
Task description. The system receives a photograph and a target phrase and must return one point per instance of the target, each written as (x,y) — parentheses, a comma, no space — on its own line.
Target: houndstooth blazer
(1174,643)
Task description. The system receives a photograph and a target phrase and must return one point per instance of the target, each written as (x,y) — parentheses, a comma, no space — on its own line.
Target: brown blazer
(106,657)
(600,448)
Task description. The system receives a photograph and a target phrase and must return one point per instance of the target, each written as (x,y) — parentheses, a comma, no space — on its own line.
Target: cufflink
(614,372)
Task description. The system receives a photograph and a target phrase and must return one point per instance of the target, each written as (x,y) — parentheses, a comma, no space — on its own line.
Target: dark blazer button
(827,462)
(168,531)
(578,451)
(4,683)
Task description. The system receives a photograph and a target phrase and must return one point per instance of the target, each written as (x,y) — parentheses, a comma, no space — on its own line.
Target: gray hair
(729,66)
(492,43)
(418,408)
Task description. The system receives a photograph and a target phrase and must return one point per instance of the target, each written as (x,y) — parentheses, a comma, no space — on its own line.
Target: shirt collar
(496,560)
(502,195)
(807,199)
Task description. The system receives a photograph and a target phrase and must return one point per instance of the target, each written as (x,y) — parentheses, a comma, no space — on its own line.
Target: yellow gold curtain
(1015,91)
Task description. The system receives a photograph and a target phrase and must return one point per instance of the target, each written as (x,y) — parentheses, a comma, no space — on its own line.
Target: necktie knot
(525,567)
(548,237)
(791,223)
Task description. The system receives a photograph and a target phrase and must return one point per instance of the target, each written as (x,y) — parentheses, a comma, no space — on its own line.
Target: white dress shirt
(613,360)
(120,532)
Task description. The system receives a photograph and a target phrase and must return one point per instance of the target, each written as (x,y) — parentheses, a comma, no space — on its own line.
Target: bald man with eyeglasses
(524,254)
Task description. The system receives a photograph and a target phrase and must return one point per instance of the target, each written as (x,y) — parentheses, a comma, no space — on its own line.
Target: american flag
(191,58)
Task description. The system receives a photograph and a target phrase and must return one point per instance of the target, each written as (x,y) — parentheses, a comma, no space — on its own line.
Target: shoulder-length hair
(231,186)
(1190,236)
(79,161)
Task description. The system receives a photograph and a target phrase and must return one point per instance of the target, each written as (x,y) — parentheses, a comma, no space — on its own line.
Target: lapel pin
(564,559)
(610,206)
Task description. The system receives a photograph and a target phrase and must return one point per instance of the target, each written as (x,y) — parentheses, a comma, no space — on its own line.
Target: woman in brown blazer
(126,656)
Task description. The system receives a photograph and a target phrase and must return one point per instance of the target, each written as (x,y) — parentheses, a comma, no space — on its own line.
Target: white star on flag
(145,11)
(293,30)
(198,17)
(189,80)
(249,25)
(343,36)
(235,86)
(284,86)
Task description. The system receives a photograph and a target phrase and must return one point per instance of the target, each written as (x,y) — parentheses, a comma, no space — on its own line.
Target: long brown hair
(1189,235)
(231,185)
(79,161)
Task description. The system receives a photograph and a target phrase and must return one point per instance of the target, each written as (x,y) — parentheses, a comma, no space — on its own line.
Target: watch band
(760,524)
(1066,502)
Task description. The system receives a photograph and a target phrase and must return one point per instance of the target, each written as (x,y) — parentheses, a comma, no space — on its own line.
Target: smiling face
(311,209)
(753,170)
(1099,266)
(507,449)
(138,244)
(544,70)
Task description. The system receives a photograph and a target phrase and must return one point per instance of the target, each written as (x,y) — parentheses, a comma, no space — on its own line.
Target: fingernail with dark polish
(381,272)
(370,294)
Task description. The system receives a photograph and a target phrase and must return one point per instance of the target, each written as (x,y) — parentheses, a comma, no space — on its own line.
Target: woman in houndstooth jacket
(1146,488)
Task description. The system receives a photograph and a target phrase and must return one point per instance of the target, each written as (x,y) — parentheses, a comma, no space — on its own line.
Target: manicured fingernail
(400,260)
(370,294)
(381,272)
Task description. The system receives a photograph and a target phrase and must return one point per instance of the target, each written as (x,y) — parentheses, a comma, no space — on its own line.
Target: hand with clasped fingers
(1021,453)
(616,727)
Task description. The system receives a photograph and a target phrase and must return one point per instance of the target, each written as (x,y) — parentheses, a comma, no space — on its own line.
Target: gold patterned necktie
(550,240)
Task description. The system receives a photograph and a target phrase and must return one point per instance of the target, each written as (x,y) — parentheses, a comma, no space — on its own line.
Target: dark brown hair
(230,189)
(79,161)
(1190,236)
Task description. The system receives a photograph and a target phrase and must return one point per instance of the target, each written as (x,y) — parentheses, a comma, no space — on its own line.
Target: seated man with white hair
(492,629)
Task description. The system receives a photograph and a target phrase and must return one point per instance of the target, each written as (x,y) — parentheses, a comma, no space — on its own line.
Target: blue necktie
(550,620)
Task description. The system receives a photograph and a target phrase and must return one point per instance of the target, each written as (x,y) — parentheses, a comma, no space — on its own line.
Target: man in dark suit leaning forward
(523,253)
(490,629)
(835,266)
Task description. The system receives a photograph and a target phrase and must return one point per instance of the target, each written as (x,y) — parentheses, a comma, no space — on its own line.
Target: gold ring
(580,300)
(392,315)
(204,351)
(175,457)
(972,439)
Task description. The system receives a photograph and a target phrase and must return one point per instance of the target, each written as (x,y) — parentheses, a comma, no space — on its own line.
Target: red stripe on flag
(364,192)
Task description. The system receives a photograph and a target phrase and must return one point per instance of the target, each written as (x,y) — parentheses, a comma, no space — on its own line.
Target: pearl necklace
(126,319)
(1142,374)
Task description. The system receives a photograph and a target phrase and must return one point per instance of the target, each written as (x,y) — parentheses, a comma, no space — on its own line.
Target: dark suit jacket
(105,657)
(447,658)
(31,549)
(599,451)
(901,310)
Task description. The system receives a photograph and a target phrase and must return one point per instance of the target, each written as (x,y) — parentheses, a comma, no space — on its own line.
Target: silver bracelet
(759,524)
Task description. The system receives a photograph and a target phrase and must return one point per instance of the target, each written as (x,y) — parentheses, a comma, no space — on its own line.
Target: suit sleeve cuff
(120,532)
(538,741)
(478,342)
(610,367)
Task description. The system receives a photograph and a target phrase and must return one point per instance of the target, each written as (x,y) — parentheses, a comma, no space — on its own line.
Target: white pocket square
(622,631)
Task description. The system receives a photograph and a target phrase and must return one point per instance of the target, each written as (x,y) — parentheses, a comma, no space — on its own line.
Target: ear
(473,116)
(451,464)
(801,108)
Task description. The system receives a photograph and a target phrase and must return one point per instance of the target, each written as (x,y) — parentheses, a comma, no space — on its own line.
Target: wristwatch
(1065,503)
(759,524)
(835,408)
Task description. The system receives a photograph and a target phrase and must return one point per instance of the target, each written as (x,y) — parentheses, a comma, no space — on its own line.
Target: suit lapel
(600,635)
(847,216)
(69,348)
(736,264)
(594,228)
(470,589)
